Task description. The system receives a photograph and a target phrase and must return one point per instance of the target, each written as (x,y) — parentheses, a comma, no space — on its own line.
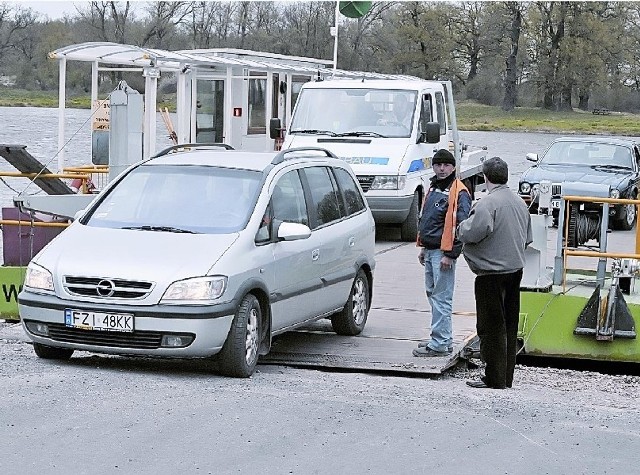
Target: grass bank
(471,116)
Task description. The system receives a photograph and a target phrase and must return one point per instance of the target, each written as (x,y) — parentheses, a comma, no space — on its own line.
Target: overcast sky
(53,9)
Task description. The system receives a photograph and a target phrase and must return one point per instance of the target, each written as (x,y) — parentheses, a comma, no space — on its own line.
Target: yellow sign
(11,279)
(101,115)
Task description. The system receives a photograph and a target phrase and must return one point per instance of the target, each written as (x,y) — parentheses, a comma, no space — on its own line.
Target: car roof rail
(195,146)
(281,157)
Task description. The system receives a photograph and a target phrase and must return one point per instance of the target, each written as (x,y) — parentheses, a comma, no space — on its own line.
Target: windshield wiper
(615,167)
(361,134)
(169,229)
(313,132)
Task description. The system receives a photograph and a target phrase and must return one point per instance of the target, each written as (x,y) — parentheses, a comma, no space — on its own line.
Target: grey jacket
(496,233)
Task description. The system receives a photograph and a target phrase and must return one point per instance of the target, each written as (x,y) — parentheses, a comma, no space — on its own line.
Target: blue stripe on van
(366,160)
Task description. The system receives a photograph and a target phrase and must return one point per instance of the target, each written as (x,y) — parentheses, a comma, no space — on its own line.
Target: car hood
(160,257)
(560,173)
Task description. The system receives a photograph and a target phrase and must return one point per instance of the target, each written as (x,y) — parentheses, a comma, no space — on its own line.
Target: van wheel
(352,318)
(409,229)
(51,353)
(239,354)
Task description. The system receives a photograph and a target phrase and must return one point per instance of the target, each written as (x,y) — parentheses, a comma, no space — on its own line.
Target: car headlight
(615,193)
(196,290)
(38,278)
(525,188)
(388,182)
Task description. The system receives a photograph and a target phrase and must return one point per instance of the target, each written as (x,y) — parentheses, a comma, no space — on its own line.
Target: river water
(37,128)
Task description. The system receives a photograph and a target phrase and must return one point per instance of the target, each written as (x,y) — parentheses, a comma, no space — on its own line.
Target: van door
(297,267)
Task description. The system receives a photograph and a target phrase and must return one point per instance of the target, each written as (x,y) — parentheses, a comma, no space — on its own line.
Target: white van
(381,128)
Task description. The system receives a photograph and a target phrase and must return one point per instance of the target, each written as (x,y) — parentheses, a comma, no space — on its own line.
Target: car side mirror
(431,134)
(532,157)
(293,231)
(275,126)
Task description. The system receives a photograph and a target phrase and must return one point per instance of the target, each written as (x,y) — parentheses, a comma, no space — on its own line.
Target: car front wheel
(352,318)
(51,353)
(629,216)
(239,355)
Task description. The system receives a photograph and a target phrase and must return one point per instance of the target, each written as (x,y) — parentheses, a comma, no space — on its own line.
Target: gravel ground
(174,416)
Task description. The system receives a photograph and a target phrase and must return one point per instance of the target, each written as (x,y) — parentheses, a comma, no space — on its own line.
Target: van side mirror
(431,134)
(275,126)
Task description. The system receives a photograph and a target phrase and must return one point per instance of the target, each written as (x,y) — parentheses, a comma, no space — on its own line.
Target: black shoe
(481,384)
(478,384)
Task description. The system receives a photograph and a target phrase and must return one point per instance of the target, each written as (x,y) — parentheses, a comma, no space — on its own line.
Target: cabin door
(209,111)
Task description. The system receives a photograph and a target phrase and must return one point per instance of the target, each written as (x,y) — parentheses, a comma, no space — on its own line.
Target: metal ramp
(24,162)
(384,346)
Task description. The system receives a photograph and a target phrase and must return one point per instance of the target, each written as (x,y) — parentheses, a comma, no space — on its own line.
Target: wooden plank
(24,162)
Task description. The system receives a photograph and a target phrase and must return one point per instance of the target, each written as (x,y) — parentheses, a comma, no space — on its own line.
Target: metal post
(61,109)
(335,38)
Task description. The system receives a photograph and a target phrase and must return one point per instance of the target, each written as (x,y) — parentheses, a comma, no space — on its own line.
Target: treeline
(554,55)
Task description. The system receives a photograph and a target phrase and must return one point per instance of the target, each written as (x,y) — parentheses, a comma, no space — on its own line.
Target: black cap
(443,156)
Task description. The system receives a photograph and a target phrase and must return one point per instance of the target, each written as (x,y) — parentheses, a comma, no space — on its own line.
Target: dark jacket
(434,210)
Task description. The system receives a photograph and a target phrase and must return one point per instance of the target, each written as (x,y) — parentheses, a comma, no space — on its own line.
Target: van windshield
(374,112)
(180,198)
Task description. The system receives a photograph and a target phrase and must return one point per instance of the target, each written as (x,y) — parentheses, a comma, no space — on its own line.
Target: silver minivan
(202,251)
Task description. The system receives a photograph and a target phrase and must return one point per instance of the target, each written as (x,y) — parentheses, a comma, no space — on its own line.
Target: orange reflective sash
(449,232)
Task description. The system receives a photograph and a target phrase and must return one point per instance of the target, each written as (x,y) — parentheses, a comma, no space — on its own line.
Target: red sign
(237,111)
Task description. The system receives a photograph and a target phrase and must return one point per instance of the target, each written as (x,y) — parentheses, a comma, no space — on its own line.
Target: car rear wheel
(409,229)
(51,353)
(629,217)
(353,317)
(239,355)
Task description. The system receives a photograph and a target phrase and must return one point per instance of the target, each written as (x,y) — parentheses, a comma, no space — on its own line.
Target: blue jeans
(439,286)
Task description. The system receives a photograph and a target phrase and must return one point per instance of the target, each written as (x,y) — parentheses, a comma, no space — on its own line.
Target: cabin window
(257,106)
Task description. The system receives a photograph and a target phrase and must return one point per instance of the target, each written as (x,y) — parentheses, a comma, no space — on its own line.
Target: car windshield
(354,112)
(179,198)
(590,154)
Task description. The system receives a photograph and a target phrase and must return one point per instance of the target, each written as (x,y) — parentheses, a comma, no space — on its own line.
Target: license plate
(114,322)
(555,204)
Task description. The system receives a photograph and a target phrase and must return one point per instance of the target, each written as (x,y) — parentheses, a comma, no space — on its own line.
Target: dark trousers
(498,311)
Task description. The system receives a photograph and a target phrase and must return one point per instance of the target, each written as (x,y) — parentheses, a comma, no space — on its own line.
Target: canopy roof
(135,56)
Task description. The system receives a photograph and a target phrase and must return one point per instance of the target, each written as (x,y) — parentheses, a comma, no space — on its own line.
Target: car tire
(353,317)
(239,354)
(51,353)
(409,229)
(629,217)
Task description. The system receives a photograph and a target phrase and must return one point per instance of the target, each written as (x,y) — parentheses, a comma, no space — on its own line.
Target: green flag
(354,9)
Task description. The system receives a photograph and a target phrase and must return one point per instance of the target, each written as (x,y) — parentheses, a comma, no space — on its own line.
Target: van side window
(350,192)
(442,120)
(324,205)
(288,200)
(426,113)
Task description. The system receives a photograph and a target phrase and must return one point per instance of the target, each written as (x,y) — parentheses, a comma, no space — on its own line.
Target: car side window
(352,196)
(288,201)
(325,205)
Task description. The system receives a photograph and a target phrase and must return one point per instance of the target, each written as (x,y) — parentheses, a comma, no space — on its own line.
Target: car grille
(136,339)
(107,288)
(365,181)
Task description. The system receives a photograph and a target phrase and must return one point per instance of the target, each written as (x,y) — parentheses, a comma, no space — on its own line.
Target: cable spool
(582,227)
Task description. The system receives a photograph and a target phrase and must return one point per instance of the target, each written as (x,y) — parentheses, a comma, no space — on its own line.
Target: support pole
(335,39)
(61,109)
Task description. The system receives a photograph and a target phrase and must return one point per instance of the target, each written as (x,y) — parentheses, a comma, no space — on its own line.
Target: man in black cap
(446,204)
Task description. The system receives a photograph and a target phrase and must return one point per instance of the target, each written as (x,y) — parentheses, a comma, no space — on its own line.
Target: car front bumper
(209,325)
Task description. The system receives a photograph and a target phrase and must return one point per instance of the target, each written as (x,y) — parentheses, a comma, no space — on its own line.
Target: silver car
(199,252)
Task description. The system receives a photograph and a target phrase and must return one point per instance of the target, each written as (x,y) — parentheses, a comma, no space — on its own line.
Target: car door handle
(315,254)
(352,241)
